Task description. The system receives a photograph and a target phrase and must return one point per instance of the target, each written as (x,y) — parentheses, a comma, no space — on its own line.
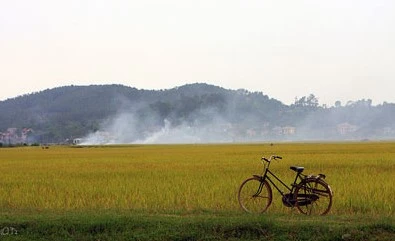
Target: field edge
(140,226)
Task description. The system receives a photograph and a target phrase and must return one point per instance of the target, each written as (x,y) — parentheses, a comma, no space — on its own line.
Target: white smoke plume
(127,128)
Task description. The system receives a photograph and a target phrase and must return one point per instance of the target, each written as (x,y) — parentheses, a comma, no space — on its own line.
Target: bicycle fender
(314,178)
(259,177)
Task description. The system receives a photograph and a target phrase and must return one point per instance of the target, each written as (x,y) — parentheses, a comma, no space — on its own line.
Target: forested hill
(190,113)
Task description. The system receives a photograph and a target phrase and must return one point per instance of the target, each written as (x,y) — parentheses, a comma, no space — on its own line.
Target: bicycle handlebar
(273,157)
(266,165)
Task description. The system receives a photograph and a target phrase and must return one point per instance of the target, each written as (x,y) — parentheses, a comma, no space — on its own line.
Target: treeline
(64,113)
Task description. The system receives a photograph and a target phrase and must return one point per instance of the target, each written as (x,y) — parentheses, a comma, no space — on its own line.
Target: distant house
(12,131)
(346,128)
(388,131)
(251,132)
(10,136)
(289,130)
(25,134)
(77,141)
(285,130)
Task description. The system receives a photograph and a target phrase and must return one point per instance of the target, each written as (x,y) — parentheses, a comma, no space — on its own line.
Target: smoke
(134,127)
(168,134)
(232,120)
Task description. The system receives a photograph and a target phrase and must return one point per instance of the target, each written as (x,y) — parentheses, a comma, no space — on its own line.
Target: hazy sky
(338,49)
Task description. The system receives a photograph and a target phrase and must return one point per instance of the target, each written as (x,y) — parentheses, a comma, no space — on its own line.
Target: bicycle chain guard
(302,200)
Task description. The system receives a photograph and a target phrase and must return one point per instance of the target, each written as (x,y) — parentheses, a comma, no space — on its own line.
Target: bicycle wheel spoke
(254,196)
(314,197)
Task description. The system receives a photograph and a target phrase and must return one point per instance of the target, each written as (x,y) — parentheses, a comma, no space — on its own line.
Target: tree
(309,101)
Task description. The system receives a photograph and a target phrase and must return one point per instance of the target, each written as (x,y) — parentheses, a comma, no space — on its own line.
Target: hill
(191,113)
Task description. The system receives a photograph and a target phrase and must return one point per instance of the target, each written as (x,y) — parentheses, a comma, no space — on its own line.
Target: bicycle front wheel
(254,195)
(313,197)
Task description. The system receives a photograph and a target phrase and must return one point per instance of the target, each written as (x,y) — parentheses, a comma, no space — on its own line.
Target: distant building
(26,132)
(388,131)
(12,131)
(251,132)
(284,130)
(77,141)
(288,130)
(10,136)
(346,128)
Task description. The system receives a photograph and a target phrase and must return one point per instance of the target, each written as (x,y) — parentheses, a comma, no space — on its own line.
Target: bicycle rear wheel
(254,195)
(313,197)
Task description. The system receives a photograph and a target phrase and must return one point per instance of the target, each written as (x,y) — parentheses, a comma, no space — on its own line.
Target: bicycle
(310,194)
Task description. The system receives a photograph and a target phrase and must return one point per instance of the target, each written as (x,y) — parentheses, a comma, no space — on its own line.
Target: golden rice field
(188,178)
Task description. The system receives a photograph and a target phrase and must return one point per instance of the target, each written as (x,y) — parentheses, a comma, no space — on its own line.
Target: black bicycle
(310,194)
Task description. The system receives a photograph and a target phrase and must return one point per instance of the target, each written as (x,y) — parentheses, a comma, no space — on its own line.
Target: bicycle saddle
(297,169)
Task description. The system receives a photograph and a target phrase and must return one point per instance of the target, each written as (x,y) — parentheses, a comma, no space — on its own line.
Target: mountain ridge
(64,113)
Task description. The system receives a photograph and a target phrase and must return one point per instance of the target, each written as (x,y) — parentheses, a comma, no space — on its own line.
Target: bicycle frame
(268,175)
(308,193)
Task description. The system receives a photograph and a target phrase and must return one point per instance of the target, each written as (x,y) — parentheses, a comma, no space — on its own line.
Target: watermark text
(6,231)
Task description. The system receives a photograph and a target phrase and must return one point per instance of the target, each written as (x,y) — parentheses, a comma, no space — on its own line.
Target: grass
(140,226)
(143,192)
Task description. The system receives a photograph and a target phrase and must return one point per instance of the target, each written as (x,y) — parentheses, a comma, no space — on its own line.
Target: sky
(337,50)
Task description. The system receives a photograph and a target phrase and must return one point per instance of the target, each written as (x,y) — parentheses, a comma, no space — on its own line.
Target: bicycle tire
(249,197)
(313,197)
